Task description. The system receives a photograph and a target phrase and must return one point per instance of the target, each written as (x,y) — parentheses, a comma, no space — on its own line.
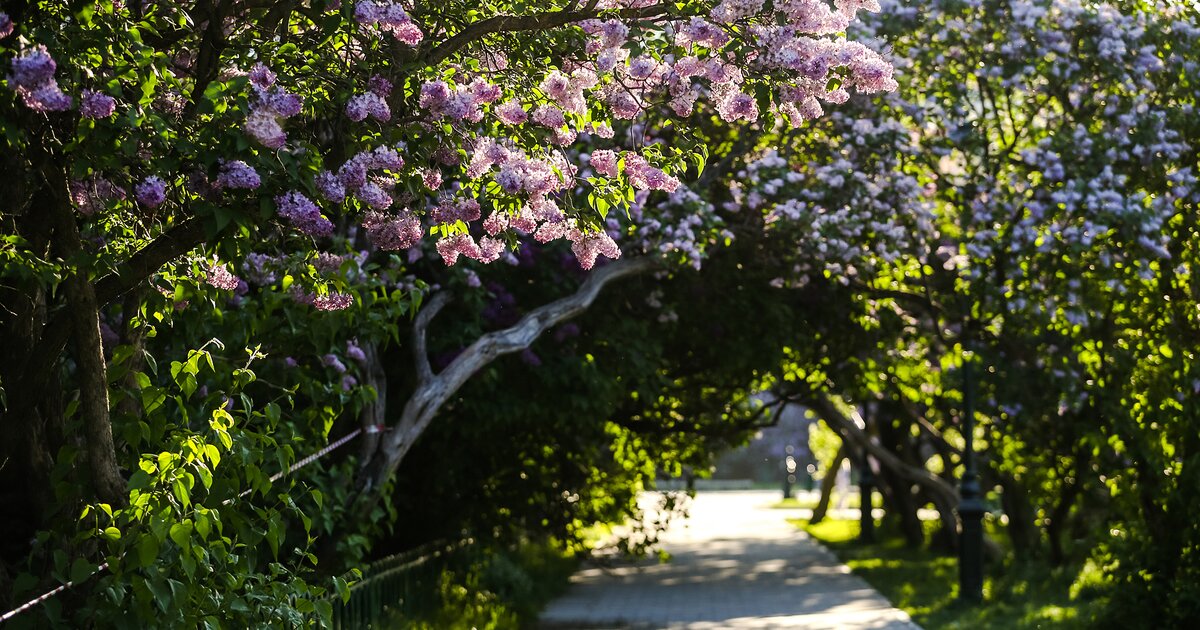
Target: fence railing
(399,587)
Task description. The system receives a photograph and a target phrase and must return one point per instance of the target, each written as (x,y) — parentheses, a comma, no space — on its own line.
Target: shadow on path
(734,564)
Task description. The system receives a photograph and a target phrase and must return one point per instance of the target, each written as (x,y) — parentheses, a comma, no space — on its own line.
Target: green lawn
(1017,595)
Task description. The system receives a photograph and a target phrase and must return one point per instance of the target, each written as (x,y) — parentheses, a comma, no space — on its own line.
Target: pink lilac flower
(302,213)
(388,17)
(511,113)
(238,174)
(549,116)
(218,276)
(495,223)
(451,247)
(328,263)
(643,176)
(604,162)
(333,302)
(431,177)
(95,104)
(484,92)
(738,106)
(556,86)
(392,233)
(588,246)
(490,249)
(92,194)
(151,192)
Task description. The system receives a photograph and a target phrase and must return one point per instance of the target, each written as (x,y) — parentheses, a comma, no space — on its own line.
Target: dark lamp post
(789,470)
(970,505)
(866,503)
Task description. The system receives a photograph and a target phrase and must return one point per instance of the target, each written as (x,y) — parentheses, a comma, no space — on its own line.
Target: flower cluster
(373,103)
(271,105)
(95,104)
(301,212)
(388,17)
(355,176)
(391,233)
(220,277)
(238,174)
(93,193)
(151,192)
(33,79)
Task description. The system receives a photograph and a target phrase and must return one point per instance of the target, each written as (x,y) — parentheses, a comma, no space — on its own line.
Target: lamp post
(970,506)
(789,470)
(866,503)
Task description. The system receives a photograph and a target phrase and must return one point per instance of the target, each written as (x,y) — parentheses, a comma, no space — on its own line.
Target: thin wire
(294,467)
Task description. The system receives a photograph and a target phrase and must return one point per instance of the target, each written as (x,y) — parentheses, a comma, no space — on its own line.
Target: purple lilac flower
(238,174)
(151,192)
(95,104)
(355,352)
(301,212)
(33,78)
(261,76)
(331,360)
(6,25)
(330,187)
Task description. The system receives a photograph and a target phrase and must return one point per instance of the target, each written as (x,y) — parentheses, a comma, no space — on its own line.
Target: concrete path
(734,564)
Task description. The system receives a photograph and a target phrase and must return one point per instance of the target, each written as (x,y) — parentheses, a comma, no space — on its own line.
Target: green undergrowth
(1017,594)
(498,589)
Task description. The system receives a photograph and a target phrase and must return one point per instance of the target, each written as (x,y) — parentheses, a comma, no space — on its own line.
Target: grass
(499,591)
(1017,595)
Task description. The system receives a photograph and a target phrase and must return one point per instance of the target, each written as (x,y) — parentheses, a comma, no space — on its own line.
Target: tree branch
(518,23)
(420,327)
(422,406)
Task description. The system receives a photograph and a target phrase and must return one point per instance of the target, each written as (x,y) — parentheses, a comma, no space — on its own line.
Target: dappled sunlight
(735,563)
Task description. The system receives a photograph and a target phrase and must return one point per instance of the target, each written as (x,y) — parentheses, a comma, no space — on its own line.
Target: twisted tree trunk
(433,390)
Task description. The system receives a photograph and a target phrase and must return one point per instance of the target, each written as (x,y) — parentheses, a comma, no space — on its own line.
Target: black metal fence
(399,587)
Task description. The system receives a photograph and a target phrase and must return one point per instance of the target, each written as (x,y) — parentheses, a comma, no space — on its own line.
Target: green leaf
(147,550)
(112,533)
(181,533)
(81,570)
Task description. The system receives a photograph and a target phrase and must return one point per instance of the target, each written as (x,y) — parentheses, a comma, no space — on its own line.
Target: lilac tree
(167,163)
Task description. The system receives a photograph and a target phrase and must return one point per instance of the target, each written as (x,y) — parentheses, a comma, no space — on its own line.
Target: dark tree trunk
(827,483)
(1021,532)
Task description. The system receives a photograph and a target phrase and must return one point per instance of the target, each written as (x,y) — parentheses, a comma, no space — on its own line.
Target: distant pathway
(734,564)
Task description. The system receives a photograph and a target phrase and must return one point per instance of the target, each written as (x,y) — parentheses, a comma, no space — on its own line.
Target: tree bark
(91,370)
(943,495)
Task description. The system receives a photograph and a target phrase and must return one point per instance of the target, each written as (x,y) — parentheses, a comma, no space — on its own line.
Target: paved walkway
(734,564)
